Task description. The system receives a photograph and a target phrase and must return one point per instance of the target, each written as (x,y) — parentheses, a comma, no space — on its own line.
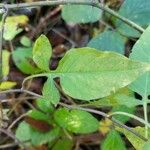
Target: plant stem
(131,116)
(118,123)
(145,100)
(21,91)
(81,108)
(93,3)
(34,76)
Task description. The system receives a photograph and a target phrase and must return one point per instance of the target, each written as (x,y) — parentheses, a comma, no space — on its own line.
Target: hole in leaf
(138,96)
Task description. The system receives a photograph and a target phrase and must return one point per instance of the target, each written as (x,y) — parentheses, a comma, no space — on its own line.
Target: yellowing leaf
(105,126)
(134,140)
(5,59)
(7,85)
(12,26)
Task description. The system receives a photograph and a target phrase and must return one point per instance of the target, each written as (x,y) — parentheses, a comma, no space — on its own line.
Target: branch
(2,26)
(21,91)
(131,116)
(119,124)
(93,3)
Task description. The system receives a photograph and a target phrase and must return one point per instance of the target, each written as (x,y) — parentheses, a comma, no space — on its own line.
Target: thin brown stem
(15,121)
(93,3)
(84,109)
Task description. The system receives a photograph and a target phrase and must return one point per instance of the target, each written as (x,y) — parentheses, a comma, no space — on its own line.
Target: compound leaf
(86,73)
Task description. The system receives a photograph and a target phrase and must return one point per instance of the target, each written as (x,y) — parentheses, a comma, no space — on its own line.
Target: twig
(93,3)
(84,109)
(131,116)
(20,91)
(6,146)
(17,99)
(6,10)
(8,133)
(62,92)
(15,121)
(42,22)
(66,38)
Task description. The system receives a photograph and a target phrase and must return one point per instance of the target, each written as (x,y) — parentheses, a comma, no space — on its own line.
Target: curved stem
(33,76)
(93,3)
(131,116)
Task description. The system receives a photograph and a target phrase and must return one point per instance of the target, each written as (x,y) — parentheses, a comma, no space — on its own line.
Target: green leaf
(141,52)
(146,145)
(134,140)
(136,10)
(13,26)
(44,105)
(25,41)
(42,52)
(113,141)
(5,63)
(39,116)
(122,108)
(63,144)
(76,121)
(23,132)
(107,41)
(122,97)
(22,58)
(39,138)
(80,13)
(50,92)
(86,73)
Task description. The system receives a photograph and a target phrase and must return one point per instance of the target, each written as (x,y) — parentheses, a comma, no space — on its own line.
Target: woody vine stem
(4,8)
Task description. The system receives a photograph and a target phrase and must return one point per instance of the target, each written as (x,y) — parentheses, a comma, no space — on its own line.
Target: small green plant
(86,80)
